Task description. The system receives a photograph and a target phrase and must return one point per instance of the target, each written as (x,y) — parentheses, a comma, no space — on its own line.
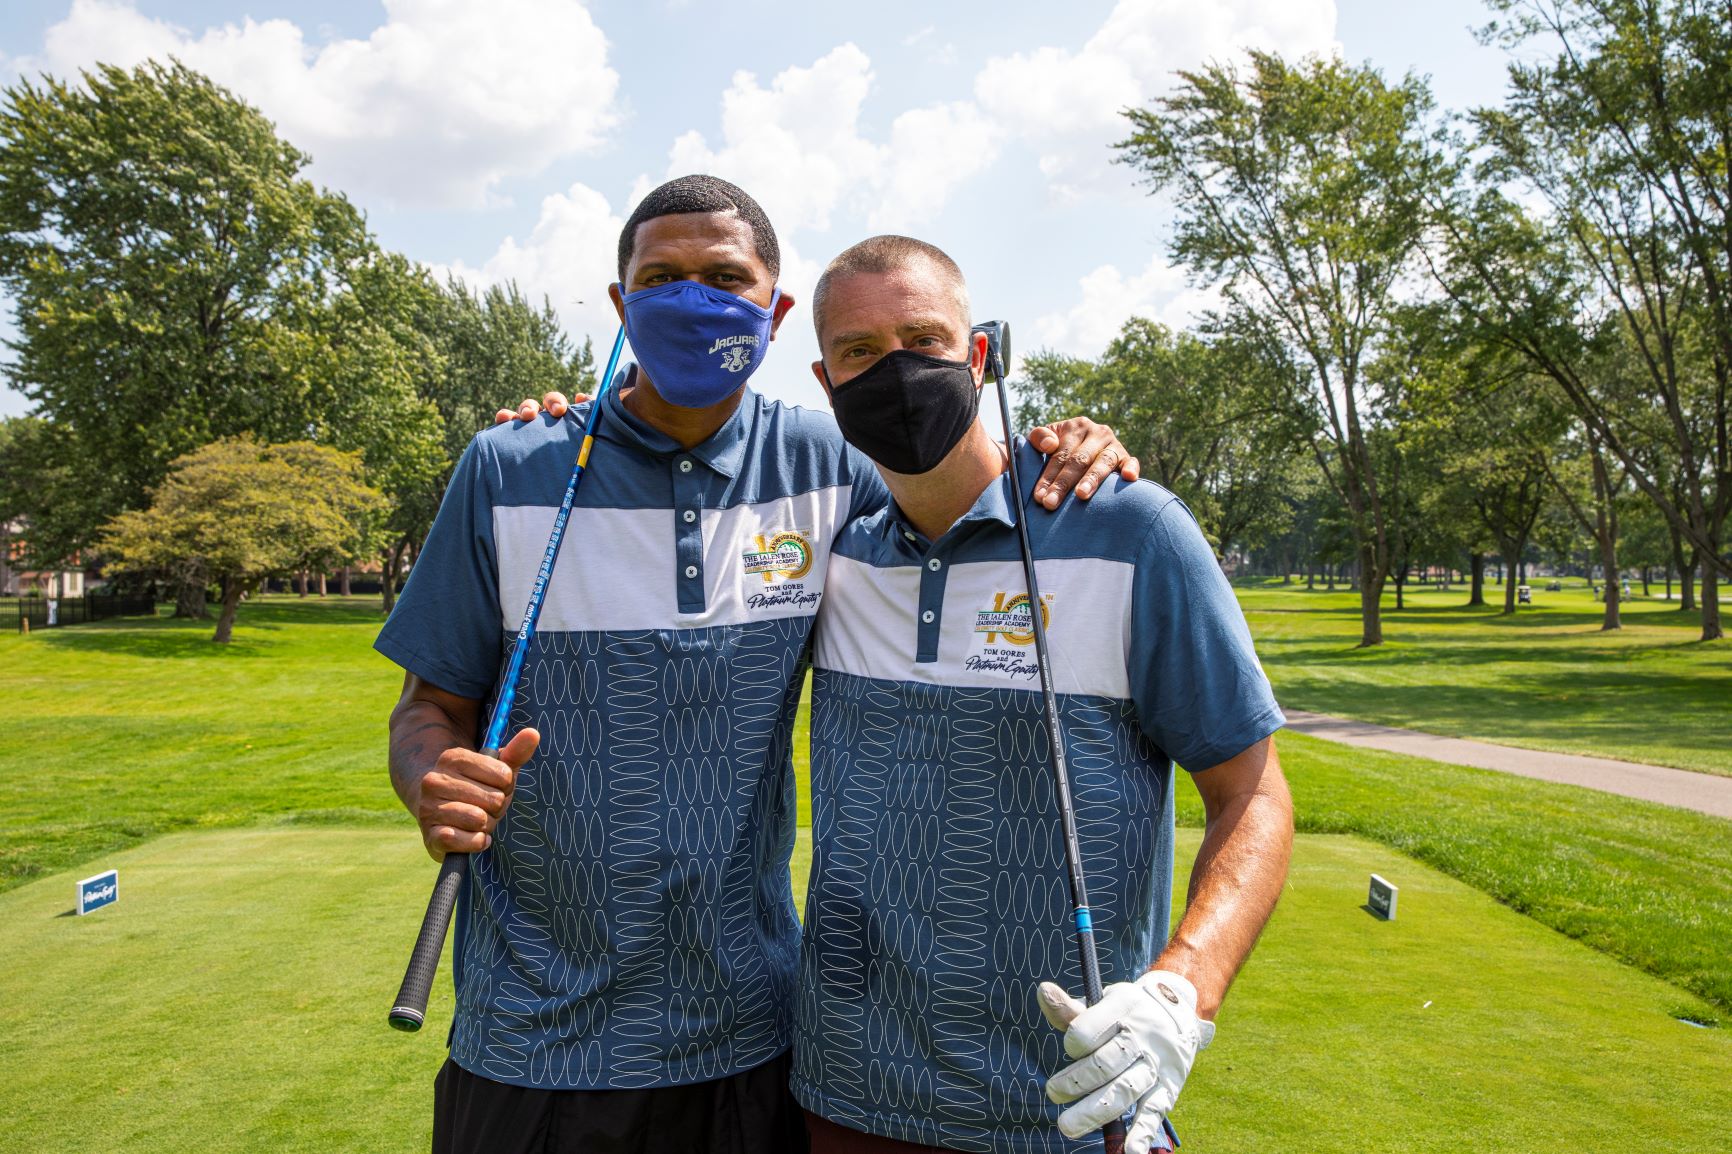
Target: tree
(1200,415)
(160,245)
(1302,192)
(478,351)
(237,511)
(1622,136)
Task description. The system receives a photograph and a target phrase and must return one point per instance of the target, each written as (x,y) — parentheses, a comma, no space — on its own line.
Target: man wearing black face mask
(937,923)
(626,946)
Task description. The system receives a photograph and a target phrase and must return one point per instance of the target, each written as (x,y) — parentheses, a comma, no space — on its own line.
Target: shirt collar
(994,502)
(724,450)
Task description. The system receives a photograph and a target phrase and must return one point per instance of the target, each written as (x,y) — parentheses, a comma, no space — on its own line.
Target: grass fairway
(234,1001)
(1546,678)
(1645,883)
(125,729)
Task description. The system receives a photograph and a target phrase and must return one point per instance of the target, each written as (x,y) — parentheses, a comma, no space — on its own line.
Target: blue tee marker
(96,892)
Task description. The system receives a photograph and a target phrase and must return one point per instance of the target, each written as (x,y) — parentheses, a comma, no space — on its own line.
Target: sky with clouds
(509,138)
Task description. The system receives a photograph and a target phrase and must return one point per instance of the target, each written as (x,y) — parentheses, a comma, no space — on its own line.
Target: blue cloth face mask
(698,344)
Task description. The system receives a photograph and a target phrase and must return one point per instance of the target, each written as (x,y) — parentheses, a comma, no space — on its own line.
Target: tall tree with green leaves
(159,242)
(1616,123)
(480,350)
(1302,192)
(1204,417)
(237,511)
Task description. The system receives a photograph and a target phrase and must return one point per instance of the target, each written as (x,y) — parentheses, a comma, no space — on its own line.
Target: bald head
(890,254)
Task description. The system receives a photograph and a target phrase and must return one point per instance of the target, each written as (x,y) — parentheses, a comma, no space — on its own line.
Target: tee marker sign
(101,890)
(1382,898)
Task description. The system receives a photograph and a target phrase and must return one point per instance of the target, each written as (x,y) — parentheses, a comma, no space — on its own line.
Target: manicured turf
(1646,883)
(123,730)
(1546,678)
(234,1001)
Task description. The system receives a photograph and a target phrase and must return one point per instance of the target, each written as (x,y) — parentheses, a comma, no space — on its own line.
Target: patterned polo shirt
(938,899)
(633,924)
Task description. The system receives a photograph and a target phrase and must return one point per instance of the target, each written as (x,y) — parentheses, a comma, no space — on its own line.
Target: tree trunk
(393,566)
(343,581)
(321,584)
(301,583)
(1370,599)
(1609,569)
(1711,630)
(225,627)
(1476,563)
(1647,580)
(1687,585)
(1606,536)
(1510,548)
(189,600)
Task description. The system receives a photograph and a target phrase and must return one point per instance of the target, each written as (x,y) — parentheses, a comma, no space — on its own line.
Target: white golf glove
(1133,1047)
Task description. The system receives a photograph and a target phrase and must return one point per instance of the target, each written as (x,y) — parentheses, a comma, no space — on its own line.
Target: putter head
(997,346)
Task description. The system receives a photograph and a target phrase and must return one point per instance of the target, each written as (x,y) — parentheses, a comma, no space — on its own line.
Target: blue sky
(509,138)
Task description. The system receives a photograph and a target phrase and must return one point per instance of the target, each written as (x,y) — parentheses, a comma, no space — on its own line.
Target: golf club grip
(410,1008)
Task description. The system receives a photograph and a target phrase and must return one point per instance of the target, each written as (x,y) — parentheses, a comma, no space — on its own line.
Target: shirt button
(690,516)
(685,464)
(907,534)
(935,564)
(691,570)
(929,617)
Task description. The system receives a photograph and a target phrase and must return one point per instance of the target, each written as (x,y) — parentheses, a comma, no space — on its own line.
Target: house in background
(16,582)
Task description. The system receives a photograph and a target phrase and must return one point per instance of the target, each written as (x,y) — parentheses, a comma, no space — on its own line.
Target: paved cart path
(1703,792)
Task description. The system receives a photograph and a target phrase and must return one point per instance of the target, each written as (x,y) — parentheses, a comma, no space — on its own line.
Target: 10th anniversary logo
(1008,630)
(783,560)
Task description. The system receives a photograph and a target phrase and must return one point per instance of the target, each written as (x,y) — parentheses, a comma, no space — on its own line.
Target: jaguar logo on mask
(736,359)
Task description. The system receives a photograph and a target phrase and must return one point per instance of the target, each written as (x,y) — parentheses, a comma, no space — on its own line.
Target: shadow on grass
(179,638)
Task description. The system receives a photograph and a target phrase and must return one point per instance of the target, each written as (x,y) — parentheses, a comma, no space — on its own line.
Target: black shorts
(751,1112)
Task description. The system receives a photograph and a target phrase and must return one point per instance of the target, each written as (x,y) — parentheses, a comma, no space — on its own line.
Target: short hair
(886,254)
(701,193)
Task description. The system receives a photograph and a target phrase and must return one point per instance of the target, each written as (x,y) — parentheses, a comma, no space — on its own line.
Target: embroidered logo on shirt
(787,555)
(1010,619)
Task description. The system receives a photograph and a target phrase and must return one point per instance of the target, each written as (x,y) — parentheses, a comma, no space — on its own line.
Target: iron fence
(38,611)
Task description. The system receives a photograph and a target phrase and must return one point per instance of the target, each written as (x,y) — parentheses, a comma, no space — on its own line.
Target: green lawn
(1546,678)
(123,730)
(234,1000)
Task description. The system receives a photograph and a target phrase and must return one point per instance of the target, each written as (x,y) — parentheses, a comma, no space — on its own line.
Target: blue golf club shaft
(409,1010)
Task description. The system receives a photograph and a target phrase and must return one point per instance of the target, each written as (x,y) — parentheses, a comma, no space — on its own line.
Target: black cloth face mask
(908,410)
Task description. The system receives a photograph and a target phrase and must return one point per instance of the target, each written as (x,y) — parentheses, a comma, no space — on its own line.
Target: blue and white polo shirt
(938,898)
(633,924)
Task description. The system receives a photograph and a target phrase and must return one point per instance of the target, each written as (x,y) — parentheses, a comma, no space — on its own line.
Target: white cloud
(1108,298)
(1068,103)
(437,106)
(797,147)
(569,257)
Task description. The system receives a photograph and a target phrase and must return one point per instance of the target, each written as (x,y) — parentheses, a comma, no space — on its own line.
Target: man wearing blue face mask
(626,946)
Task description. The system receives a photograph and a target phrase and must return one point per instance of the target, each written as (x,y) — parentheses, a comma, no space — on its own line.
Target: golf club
(998,363)
(410,1008)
